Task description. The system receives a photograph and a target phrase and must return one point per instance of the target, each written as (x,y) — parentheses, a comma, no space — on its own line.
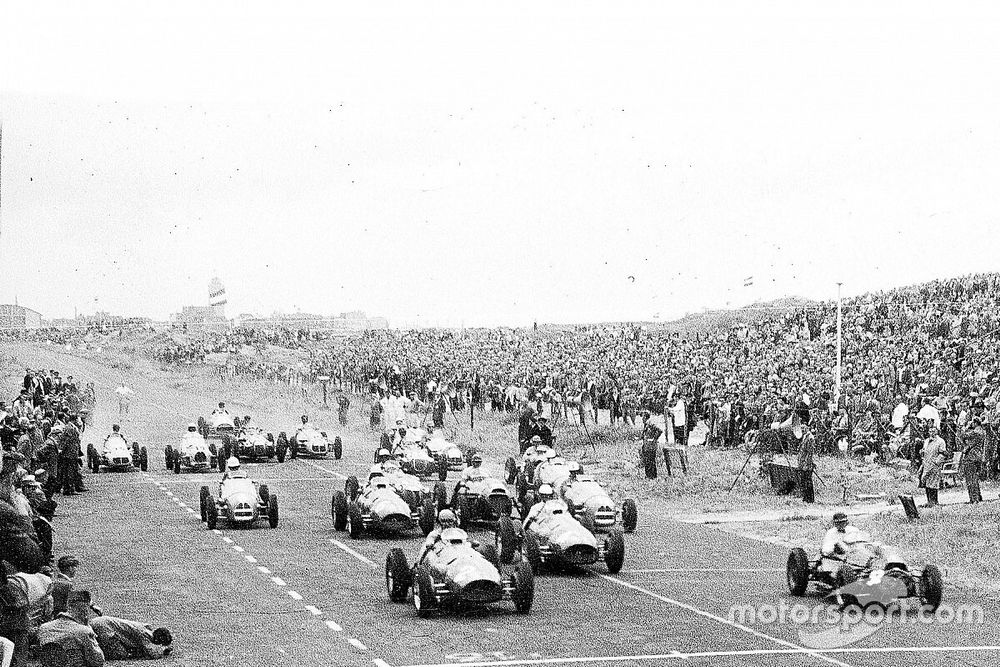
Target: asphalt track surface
(303,594)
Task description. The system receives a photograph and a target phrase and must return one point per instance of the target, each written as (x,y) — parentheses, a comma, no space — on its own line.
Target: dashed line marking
(356,644)
(336,474)
(217,531)
(190,510)
(313,610)
(237,547)
(181,504)
(278,581)
(294,595)
(333,626)
(250,559)
(347,549)
(227,540)
(379,662)
(263,570)
(704,569)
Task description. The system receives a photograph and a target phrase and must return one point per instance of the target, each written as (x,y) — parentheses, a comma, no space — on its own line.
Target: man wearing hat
(973,451)
(122,639)
(62,582)
(835,543)
(543,431)
(69,629)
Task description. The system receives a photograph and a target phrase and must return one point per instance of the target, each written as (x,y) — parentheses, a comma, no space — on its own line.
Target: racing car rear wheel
(338,448)
(264,493)
(630,515)
(797,571)
(282,447)
(397,575)
(221,460)
(204,495)
(614,551)
(931,583)
(532,553)
(143,460)
(440,496)
(177,464)
(211,513)
(166,457)
(351,487)
(507,540)
(424,600)
(355,525)
(272,510)
(428,512)
(466,511)
(338,510)
(523,580)
(510,467)
(227,447)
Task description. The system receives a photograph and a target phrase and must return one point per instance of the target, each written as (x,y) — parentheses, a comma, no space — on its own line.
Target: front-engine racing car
(116,454)
(251,443)
(191,453)
(454,573)
(482,500)
(868,573)
(592,506)
(379,508)
(240,501)
(311,442)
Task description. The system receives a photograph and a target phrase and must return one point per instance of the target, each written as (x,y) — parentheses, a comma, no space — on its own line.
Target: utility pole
(836,392)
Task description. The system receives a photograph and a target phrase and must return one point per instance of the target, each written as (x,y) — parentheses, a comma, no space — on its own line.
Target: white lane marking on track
(781,642)
(227,540)
(278,581)
(677,655)
(263,570)
(379,662)
(250,559)
(182,504)
(190,510)
(703,569)
(333,626)
(217,531)
(313,610)
(238,548)
(356,644)
(294,595)
(339,475)
(351,551)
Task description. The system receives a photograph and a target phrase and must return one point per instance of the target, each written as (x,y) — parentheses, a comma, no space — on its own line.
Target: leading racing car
(192,453)
(116,454)
(240,501)
(455,574)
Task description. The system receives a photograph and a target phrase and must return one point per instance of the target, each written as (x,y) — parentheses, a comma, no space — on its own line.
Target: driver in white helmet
(233,469)
(547,502)
(382,455)
(474,472)
(192,431)
(221,410)
(446,519)
(574,470)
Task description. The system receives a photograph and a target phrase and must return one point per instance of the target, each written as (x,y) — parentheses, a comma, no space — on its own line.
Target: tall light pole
(836,392)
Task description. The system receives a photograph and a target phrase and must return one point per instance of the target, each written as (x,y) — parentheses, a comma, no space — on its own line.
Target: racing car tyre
(440,496)
(465,511)
(614,551)
(264,493)
(204,495)
(338,510)
(282,446)
(272,510)
(351,488)
(338,448)
(355,525)
(442,469)
(423,594)
(397,575)
(166,457)
(211,513)
(532,554)
(428,513)
(523,580)
(797,571)
(220,460)
(931,583)
(135,451)
(143,459)
(510,467)
(177,464)
(630,515)
(227,447)
(507,540)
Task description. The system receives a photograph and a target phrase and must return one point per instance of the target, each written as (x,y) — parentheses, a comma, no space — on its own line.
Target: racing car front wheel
(614,551)
(166,457)
(338,510)
(397,575)
(507,540)
(428,512)
(272,510)
(204,495)
(630,515)
(264,493)
(355,525)
(338,448)
(423,594)
(523,580)
(143,460)
(797,571)
(211,513)
(351,487)
(532,553)
(931,583)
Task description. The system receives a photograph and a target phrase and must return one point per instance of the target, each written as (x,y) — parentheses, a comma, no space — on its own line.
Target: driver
(247,424)
(836,541)
(474,473)
(233,470)
(399,435)
(192,428)
(547,502)
(446,519)
(115,431)
(382,455)
(574,470)
(305,422)
(221,410)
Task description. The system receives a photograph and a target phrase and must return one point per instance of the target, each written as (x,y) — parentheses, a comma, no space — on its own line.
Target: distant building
(13,316)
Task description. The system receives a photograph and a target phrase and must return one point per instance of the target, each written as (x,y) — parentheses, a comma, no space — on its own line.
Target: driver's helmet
(893,559)
(447,519)
(192,427)
(222,406)
(305,419)
(375,471)
(477,460)
(558,460)
(545,492)
(574,469)
(391,466)
(383,455)
(840,520)
(549,454)
(232,464)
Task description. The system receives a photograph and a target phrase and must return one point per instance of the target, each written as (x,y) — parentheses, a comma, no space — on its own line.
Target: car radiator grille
(199,457)
(605,516)
(580,554)
(243,511)
(120,461)
(481,591)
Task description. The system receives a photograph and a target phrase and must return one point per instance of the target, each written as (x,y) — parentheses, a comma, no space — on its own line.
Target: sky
(478,164)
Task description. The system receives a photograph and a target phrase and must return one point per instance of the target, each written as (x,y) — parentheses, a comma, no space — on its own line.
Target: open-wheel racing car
(240,501)
(447,453)
(868,574)
(116,454)
(251,443)
(585,497)
(556,539)
(415,459)
(379,508)
(457,574)
(192,453)
(484,500)
(220,423)
(311,442)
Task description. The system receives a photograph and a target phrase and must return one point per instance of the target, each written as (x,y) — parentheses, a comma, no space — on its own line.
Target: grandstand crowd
(41,615)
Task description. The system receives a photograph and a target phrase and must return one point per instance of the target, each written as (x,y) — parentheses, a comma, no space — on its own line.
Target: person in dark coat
(69,459)
(806,464)
(973,451)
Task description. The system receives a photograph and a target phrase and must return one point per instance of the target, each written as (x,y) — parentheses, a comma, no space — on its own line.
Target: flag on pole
(748,282)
